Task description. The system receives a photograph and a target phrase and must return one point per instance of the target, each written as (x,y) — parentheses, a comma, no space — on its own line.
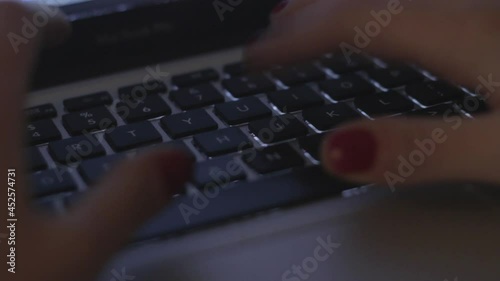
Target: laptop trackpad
(431,233)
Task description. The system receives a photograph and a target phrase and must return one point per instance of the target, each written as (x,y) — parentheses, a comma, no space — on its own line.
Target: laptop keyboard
(255,136)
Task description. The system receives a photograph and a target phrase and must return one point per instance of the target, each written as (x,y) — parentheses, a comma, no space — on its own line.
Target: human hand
(457,41)
(75,246)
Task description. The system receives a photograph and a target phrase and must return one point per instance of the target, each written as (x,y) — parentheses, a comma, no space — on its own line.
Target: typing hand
(75,246)
(458,42)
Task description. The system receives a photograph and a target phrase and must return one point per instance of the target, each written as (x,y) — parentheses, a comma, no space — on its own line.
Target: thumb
(408,151)
(110,214)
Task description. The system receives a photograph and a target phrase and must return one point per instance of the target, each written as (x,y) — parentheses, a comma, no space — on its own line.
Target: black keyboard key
(140,91)
(431,93)
(88,101)
(273,158)
(222,141)
(438,111)
(387,103)
(140,110)
(42,131)
(132,136)
(341,64)
(395,76)
(235,69)
(246,198)
(94,169)
(329,116)
(217,172)
(196,96)
(43,111)
(51,182)
(346,87)
(188,123)
(312,145)
(36,160)
(302,74)
(74,150)
(277,128)
(195,78)
(294,99)
(248,85)
(87,121)
(242,111)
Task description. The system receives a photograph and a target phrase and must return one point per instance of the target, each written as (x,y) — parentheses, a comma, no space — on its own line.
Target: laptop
(259,206)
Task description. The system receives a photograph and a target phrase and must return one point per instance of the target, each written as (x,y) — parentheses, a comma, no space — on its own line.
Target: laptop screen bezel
(93,8)
(151,31)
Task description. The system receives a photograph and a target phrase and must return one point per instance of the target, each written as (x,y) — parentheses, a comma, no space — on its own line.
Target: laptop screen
(76,9)
(59,2)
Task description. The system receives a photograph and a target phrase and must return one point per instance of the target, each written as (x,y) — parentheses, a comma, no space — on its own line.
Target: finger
(18,49)
(58,27)
(22,28)
(407,151)
(105,220)
(458,44)
(282,17)
(133,192)
(34,21)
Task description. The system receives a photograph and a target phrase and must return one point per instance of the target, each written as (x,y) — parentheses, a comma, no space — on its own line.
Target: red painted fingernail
(351,151)
(279,7)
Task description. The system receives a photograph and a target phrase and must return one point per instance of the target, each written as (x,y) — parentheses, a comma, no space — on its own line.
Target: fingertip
(349,151)
(266,53)
(146,182)
(251,59)
(257,49)
(133,192)
(57,29)
(174,169)
(265,49)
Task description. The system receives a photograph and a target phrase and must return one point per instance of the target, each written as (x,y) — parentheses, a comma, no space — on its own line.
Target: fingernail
(279,7)
(351,151)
